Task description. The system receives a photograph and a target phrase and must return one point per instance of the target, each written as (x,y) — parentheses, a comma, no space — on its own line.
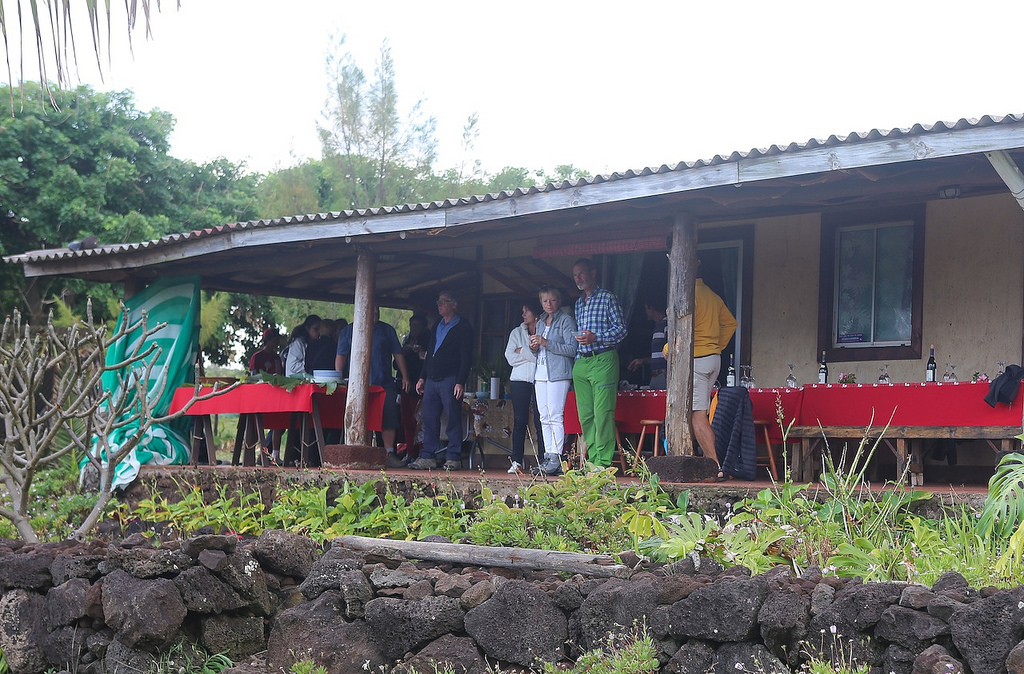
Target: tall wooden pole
(682,280)
(359,361)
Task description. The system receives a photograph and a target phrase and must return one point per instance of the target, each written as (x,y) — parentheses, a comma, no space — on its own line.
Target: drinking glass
(791,381)
(883,374)
(952,372)
(1000,367)
(750,377)
(744,376)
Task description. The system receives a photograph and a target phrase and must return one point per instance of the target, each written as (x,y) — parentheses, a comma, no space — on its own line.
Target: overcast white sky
(606,86)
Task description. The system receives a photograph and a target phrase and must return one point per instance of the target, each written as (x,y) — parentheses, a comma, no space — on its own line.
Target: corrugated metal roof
(338,216)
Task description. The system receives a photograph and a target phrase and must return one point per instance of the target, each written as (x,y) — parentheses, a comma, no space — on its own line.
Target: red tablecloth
(910,404)
(276,404)
(630,408)
(765,400)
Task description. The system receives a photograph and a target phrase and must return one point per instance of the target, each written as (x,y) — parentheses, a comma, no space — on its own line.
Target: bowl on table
(327,376)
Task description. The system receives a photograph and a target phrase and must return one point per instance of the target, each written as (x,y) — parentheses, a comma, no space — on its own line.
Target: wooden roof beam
(1008,170)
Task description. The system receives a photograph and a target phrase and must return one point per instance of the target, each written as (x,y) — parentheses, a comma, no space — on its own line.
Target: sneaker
(423,463)
(392,460)
(514,468)
(452,464)
(552,465)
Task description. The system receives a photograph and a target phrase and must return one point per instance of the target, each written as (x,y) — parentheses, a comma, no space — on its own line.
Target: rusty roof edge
(743,160)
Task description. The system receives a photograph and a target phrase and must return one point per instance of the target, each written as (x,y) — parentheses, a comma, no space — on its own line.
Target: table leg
(252,440)
(800,456)
(236,456)
(211,446)
(263,458)
(303,440)
(318,429)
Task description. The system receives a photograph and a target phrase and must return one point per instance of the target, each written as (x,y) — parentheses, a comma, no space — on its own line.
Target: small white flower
(832,629)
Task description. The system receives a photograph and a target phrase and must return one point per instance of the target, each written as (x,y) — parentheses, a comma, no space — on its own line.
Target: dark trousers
(438,397)
(524,397)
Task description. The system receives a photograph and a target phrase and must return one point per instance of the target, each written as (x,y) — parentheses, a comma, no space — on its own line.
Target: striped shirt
(602,315)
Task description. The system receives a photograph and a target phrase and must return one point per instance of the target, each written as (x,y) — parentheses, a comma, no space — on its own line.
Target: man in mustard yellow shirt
(713,327)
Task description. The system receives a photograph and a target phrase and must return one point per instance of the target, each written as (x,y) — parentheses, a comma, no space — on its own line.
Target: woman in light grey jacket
(524,363)
(555,346)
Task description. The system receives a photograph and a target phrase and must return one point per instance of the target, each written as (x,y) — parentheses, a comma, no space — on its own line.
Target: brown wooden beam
(358,398)
(682,281)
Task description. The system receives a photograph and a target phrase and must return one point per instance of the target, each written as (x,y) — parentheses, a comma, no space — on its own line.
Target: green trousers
(595,381)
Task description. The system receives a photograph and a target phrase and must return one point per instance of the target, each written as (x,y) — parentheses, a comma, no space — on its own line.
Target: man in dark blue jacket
(442,382)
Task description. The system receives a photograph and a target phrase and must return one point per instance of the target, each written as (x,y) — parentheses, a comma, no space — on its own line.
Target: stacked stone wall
(271,601)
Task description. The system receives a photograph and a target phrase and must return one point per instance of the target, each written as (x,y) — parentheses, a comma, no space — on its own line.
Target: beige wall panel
(785,309)
(973,301)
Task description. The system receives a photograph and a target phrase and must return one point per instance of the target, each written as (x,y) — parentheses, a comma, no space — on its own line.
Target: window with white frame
(871,284)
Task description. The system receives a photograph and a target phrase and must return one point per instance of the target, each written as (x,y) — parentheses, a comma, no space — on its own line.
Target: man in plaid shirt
(595,374)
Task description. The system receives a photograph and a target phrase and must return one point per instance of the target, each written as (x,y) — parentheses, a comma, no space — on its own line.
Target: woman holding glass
(555,346)
(524,362)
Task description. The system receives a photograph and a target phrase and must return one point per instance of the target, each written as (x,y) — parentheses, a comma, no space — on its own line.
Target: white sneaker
(514,468)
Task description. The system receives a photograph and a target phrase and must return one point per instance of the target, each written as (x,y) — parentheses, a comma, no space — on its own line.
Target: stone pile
(273,601)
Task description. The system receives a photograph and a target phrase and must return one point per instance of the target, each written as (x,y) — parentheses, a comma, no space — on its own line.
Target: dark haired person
(442,383)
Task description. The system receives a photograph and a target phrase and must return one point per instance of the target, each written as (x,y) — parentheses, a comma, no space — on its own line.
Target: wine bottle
(730,374)
(823,370)
(929,371)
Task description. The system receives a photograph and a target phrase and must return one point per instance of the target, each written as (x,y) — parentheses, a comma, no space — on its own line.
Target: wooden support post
(682,280)
(359,362)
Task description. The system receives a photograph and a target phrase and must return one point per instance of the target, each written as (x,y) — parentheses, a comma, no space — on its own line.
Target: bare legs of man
(705,436)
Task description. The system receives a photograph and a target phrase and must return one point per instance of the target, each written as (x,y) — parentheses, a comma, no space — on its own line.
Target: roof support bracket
(1009,172)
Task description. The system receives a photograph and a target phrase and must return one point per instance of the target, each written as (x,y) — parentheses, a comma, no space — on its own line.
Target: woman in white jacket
(555,346)
(302,335)
(523,362)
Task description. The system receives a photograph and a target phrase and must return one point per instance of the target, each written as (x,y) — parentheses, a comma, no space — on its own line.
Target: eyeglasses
(445,301)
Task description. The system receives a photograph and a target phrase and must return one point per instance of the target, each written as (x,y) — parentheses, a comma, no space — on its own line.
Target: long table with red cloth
(911,411)
(266,406)
(631,407)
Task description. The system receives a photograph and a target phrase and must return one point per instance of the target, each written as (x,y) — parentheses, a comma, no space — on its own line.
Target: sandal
(721,477)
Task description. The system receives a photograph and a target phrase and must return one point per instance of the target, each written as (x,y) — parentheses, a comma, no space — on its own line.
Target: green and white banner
(175,302)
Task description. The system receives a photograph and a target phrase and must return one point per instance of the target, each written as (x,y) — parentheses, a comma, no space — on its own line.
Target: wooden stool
(769,460)
(656,424)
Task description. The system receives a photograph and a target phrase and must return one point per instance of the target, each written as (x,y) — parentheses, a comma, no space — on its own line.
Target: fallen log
(480,555)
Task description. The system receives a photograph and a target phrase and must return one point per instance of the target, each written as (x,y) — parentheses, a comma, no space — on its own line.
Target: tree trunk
(359,360)
(682,279)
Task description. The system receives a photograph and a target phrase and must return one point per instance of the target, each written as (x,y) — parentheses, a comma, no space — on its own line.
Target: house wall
(973,293)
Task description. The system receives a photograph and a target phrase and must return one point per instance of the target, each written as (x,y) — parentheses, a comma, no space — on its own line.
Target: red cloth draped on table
(630,408)
(276,403)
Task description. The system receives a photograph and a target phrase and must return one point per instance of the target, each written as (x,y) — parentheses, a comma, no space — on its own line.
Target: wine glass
(952,372)
(744,376)
(791,378)
(1000,367)
(750,377)
(883,374)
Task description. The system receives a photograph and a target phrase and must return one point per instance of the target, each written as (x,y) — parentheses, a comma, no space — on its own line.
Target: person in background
(713,327)
(595,375)
(555,346)
(320,353)
(523,361)
(442,383)
(295,366)
(267,359)
(414,348)
(302,335)
(384,346)
(655,310)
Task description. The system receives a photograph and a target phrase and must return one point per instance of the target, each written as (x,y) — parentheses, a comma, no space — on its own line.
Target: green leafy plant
(1003,511)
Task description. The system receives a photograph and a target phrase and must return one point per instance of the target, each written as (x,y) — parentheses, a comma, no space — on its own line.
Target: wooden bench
(897,439)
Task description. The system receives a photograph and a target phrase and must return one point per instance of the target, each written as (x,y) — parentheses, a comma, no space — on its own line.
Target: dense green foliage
(95,165)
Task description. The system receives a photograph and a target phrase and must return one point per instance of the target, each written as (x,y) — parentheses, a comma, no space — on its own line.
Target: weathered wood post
(682,280)
(359,362)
